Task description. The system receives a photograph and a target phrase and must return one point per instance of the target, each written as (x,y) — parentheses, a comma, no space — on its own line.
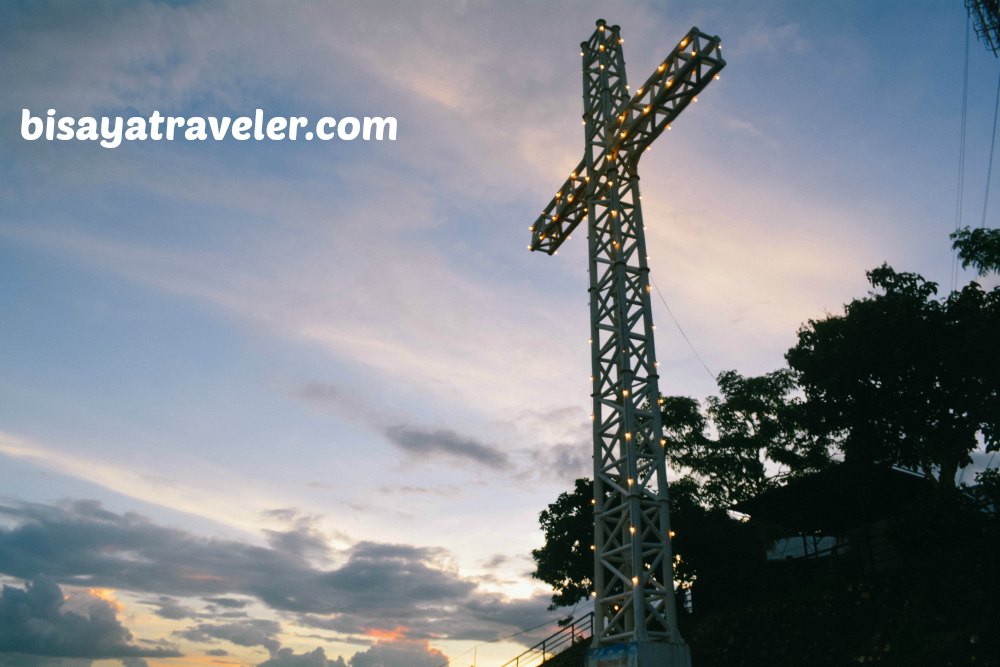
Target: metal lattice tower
(633,560)
(986,16)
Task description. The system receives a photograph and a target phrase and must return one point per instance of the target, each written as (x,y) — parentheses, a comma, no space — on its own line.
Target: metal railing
(579,630)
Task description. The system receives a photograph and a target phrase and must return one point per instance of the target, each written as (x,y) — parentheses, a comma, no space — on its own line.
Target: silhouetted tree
(712,550)
(979,248)
(566,561)
(987,490)
(726,453)
(756,422)
(903,377)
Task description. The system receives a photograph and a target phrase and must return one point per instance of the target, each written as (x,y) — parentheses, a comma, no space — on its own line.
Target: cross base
(640,654)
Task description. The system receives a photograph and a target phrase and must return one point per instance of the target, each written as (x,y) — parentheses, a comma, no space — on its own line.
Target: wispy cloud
(425,327)
(248,632)
(783,39)
(431,442)
(146,483)
(420,442)
(170,608)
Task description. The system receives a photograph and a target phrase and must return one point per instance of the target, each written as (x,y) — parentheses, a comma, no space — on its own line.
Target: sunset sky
(299,404)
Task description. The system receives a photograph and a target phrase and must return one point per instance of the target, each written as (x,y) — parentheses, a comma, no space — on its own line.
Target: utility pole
(635,618)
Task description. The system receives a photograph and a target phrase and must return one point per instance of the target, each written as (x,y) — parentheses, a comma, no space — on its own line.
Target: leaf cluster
(708,544)
(745,438)
(566,561)
(979,248)
(903,377)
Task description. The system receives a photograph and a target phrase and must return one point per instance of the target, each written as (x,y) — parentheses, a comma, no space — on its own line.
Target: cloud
(384,585)
(250,632)
(417,440)
(316,658)
(741,125)
(169,608)
(34,622)
(479,326)
(22,660)
(432,442)
(400,653)
(410,490)
(80,538)
(565,449)
(496,561)
(499,568)
(372,586)
(782,39)
(231,603)
(303,540)
(565,461)
(330,397)
(226,507)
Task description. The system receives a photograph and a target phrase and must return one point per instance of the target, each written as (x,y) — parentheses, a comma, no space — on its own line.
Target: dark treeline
(904,378)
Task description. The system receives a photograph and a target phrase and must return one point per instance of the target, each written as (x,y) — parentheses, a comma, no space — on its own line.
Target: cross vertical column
(633,560)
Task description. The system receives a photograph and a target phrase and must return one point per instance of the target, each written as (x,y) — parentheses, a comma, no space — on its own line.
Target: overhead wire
(961,167)
(993,141)
(501,638)
(681,329)
(961,151)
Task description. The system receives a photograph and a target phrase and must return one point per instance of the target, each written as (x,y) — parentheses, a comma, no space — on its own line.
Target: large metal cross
(633,562)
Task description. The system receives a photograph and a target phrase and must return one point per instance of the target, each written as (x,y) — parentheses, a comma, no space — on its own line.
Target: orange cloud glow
(200,576)
(108,595)
(387,635)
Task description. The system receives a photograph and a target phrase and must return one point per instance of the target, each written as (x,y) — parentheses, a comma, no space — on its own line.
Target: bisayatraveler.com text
(111,131)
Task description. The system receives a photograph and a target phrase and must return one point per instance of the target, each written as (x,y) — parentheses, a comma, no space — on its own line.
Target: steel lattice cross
(633,577)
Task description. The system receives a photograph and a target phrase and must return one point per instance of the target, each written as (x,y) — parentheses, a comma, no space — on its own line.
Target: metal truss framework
(986,16)
(633,560)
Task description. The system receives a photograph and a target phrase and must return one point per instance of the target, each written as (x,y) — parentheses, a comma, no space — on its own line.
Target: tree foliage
(712,551)
(979,248)
(566,561)
(723,452)
(903,377)
(987,490)
(747,436)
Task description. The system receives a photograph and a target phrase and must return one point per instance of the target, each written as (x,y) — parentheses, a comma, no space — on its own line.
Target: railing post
(558,639)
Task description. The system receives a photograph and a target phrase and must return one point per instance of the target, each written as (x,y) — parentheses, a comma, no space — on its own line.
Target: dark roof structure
(842,497)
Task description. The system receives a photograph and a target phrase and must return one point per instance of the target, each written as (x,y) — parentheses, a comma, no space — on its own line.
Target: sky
(300,403)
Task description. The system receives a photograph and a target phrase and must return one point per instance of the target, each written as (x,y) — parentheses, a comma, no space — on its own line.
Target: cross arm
(566,210)
(691,66)
(694,62)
